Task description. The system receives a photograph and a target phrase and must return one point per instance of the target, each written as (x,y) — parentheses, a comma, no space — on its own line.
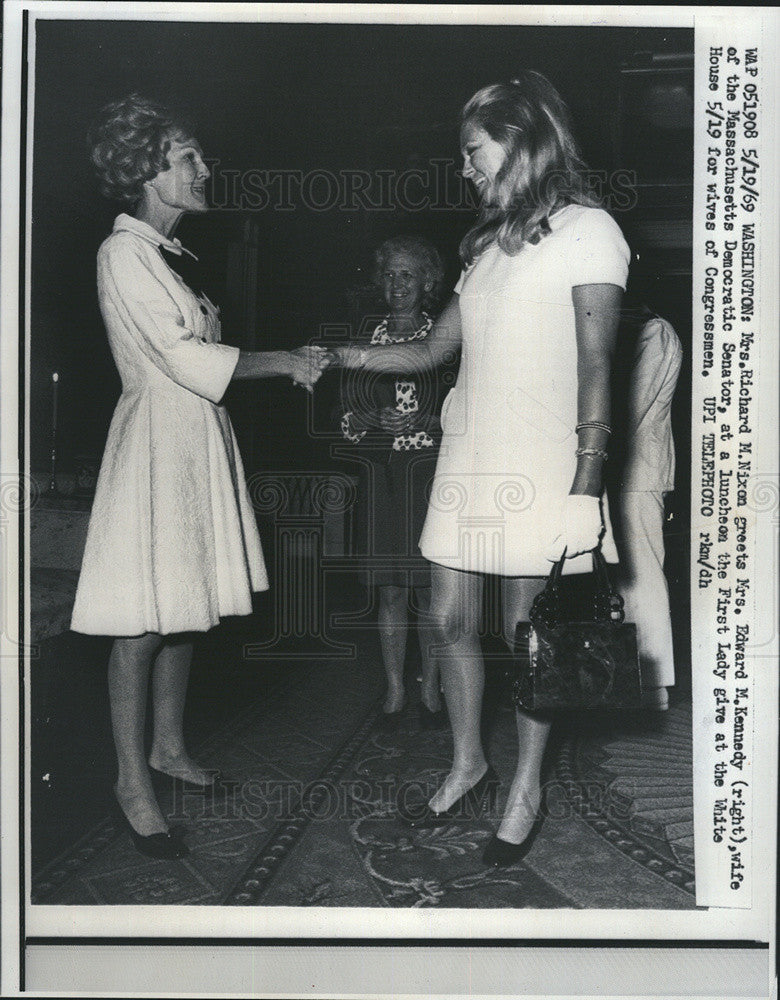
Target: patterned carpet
(313,820)
(597,848)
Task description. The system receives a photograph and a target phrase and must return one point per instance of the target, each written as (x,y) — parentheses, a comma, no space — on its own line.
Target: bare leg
(430,667)
(456,603)
(525,792)
(393,627)
(128,678)
(169,692)
(532,731)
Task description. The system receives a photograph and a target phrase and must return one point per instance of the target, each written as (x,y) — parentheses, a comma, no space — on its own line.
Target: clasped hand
(582,527)
(308,364)
(395,422)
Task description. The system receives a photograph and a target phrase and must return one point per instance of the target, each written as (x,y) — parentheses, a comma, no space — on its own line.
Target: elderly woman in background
(394,422)
(172,545)
(526,427)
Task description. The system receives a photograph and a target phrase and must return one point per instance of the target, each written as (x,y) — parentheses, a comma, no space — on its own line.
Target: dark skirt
(392,506)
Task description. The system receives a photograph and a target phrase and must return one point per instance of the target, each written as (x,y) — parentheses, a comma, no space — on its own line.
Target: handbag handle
(607,604)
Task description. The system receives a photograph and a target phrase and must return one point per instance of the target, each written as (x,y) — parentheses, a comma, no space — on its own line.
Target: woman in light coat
(172,544)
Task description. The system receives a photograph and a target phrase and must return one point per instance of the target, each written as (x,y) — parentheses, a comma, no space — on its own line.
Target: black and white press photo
(390,472)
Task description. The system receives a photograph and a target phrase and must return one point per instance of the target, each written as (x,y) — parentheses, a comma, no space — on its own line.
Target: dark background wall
(308,97)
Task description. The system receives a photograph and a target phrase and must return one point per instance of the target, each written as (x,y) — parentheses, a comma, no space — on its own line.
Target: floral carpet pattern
(314,822)
(587,853)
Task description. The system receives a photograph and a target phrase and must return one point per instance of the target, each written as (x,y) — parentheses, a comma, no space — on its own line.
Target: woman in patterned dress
(525,429)
(172,544)
(394,423)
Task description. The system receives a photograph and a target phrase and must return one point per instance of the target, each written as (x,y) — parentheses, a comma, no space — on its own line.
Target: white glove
(582,527)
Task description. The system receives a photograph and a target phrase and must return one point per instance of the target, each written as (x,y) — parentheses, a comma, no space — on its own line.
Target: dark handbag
(574,654)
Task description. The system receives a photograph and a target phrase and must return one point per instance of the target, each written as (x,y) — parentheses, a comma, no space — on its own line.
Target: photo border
(740,929)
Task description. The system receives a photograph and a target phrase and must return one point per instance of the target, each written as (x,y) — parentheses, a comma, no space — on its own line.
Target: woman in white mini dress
(172,545)
(519,476)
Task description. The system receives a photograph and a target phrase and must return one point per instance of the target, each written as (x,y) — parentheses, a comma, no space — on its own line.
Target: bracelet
(593,423)
(592,451)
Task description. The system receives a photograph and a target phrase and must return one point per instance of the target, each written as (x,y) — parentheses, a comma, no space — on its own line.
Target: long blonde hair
(543,169)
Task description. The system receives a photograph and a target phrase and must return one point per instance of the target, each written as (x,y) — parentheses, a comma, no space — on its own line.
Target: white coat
(173,544)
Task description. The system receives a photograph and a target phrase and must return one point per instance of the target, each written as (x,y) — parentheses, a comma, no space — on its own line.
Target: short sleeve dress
(507,458)
(172,544)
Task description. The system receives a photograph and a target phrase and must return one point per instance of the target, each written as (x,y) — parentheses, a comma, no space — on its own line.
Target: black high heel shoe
(162,846)
(471,805)
(502,853)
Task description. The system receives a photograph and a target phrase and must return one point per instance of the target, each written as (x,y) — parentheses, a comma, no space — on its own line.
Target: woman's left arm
(596,314)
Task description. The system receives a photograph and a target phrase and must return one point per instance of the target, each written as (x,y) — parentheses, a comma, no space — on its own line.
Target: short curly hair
(427,256)
(129,145)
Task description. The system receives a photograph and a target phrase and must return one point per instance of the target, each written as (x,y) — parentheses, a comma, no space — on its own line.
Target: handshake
(308,363)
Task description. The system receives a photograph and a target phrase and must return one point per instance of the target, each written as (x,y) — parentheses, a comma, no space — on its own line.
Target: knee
(393,598)
(448,626)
